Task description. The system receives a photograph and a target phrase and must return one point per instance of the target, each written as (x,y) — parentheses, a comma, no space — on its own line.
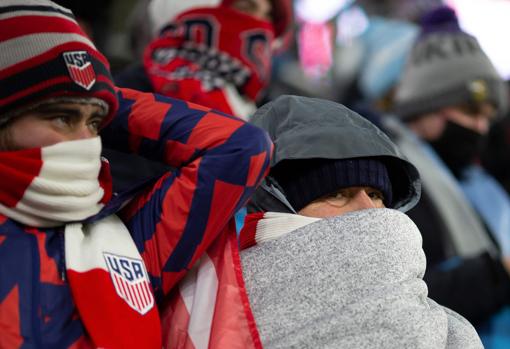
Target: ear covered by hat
(447,67)
(47,56)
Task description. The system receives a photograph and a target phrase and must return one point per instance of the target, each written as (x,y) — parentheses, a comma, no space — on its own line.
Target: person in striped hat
(82,267)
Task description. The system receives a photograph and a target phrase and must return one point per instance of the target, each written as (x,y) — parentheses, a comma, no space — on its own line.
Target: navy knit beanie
(304,181)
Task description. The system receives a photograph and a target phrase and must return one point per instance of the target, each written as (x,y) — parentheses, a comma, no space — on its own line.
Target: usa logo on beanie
(80,68)
(46,54)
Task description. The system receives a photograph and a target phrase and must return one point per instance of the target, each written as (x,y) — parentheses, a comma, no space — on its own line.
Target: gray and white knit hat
(447,67)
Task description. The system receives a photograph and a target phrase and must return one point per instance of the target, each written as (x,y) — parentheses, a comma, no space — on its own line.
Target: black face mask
(458,147)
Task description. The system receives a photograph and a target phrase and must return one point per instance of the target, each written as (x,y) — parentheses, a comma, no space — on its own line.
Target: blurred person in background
(212,52)
(447,97)
(216,53)
(496,152)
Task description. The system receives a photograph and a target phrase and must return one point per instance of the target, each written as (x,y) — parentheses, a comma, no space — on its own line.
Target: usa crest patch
(80,68)
(131,281)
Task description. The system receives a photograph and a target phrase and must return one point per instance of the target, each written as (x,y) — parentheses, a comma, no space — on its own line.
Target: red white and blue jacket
(218,161)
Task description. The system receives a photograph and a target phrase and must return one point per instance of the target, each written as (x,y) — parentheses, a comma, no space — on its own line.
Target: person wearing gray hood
(329,258)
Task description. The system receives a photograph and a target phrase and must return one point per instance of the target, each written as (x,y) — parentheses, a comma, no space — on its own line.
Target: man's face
(260,9)
(343,201)
(53,123)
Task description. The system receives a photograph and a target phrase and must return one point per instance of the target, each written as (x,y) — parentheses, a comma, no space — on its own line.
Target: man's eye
(376,195)
(64,120)
(94,125)
(339,195)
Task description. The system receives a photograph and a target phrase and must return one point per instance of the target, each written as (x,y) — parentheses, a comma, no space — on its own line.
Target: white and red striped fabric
(210,308)
(110,285)
(65,182)
(264,226)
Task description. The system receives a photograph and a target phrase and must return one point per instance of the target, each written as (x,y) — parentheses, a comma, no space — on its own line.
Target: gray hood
(308,128)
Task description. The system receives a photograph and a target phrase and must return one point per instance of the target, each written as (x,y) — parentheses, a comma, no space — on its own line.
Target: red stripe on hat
(35,88)
(213,130)
(20,167)
(21,25)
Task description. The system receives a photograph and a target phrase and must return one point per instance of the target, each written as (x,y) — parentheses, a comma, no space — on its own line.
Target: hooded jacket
(308,128)
(352,281)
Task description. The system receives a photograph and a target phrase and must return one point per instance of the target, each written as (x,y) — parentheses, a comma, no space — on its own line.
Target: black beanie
(304,181)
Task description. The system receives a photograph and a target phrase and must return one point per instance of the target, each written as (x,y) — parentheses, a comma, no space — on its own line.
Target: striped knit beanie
(46,56)
(304,181)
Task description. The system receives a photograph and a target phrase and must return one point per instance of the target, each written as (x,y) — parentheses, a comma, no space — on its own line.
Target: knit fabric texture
(45,54)
(446,67)
(352,281)
(304,181)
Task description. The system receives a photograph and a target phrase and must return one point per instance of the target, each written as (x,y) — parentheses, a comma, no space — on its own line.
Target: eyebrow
(73,112)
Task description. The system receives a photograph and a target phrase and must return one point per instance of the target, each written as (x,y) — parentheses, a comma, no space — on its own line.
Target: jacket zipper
(36,296)
(62,262)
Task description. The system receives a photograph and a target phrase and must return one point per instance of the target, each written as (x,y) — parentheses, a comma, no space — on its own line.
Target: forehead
(66,106)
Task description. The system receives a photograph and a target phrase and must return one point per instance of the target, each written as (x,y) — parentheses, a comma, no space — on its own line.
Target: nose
(361,201)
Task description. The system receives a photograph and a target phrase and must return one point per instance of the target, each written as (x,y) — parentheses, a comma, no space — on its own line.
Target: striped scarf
(265,226)
(61,185)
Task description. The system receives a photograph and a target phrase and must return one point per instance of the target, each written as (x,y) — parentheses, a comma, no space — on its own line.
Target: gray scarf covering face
(352,281)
